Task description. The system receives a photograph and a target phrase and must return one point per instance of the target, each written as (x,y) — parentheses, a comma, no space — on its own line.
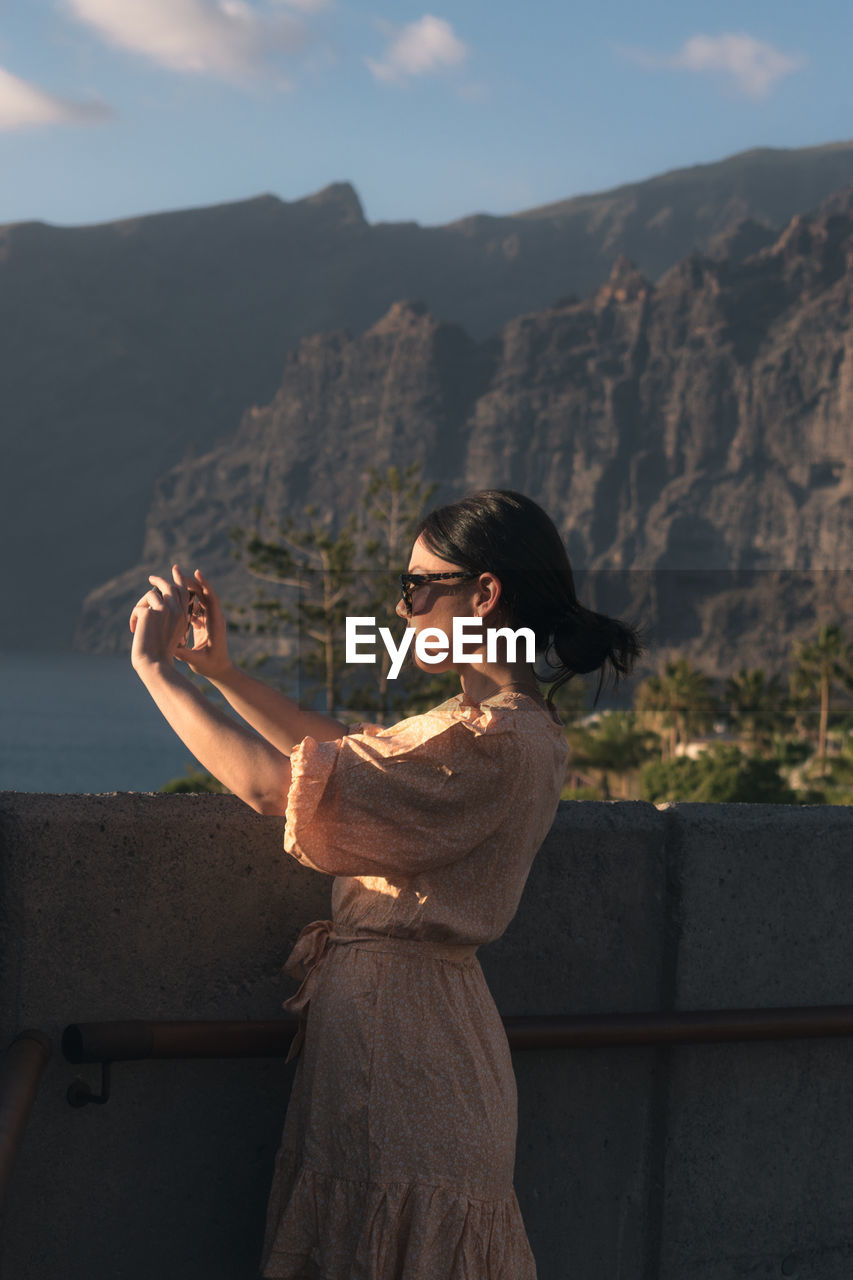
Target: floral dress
(396,1160)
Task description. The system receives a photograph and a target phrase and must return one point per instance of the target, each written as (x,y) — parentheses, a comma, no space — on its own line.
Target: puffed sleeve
(405,799)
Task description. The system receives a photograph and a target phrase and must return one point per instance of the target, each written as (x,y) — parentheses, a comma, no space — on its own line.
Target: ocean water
(72,722)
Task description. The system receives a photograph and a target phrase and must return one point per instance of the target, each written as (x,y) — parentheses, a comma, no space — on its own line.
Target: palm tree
(756,706)
(681,700)
(819,666)
(617,745)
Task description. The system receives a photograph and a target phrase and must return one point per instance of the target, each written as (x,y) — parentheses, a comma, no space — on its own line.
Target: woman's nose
(400,610)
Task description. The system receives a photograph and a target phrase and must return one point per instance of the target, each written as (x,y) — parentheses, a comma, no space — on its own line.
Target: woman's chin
(432,668)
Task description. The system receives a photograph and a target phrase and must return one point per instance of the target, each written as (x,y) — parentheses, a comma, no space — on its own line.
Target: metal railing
(107,1042)
(21,1069)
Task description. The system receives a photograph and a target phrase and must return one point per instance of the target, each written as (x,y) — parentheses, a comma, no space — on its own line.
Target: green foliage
(616,744)
(315,576)
(319,577)
(756,707)
(196,781)
(428,691)
(392,505)
(819,668)
(790,751)
(572,700)
(722,774)
(320,567)
(680,701)
(582,793)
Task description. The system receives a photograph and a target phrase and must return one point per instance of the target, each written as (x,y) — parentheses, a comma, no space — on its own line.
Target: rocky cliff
(128,344)
(691,435)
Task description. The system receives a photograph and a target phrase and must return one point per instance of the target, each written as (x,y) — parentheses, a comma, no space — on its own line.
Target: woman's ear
(490,596)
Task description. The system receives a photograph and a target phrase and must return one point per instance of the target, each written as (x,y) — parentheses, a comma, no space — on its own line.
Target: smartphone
(194,605)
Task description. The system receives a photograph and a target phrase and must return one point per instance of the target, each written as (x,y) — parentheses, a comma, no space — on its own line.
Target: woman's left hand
(159,620)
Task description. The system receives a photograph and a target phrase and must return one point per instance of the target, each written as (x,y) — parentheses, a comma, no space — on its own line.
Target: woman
(396,1161)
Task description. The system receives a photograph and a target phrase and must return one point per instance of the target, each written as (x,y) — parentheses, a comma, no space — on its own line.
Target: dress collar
(507,695)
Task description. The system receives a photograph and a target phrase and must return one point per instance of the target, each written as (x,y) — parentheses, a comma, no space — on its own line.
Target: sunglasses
(409,581)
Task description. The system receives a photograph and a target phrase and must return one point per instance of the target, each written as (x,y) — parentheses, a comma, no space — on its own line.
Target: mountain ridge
(343,191)
(692,430)
(128,344)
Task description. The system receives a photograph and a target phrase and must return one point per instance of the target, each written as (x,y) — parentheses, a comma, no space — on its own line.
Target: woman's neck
(482,681)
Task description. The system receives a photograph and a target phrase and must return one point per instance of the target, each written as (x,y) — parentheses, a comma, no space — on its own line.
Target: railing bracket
(80,1093)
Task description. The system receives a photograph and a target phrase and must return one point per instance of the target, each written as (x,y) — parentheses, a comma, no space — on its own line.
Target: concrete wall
(704,1162)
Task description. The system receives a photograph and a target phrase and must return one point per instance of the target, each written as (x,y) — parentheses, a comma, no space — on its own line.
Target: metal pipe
(21,1069)
(131,1041)
(125,1041)
(704,1026)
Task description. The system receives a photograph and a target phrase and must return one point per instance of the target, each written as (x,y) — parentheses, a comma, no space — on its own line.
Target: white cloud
(753,66)
(226,38)
(24,105)
(418,49)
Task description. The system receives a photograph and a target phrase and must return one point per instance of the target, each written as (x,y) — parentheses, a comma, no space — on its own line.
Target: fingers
(165,588)
(166,597)
(173,594)
(194,597)
(208,597)
(189,655)
(151,600)
(155,600)
(199,591)
(182,582)
(142,603)
(202,601)
(182,599)
(205,592)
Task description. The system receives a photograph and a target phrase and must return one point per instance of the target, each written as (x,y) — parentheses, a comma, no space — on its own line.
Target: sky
(112,108)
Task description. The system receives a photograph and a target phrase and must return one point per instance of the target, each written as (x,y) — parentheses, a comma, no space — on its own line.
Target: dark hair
(503,532)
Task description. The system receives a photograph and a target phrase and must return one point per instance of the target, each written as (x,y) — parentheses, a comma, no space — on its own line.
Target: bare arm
(275,716)
(251,767)
(278,718)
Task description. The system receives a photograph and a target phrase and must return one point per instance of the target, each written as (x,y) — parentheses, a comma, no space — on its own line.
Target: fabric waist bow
(308,951)
(305,961)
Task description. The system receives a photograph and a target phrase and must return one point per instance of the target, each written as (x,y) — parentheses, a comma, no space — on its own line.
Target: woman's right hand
(209,655)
